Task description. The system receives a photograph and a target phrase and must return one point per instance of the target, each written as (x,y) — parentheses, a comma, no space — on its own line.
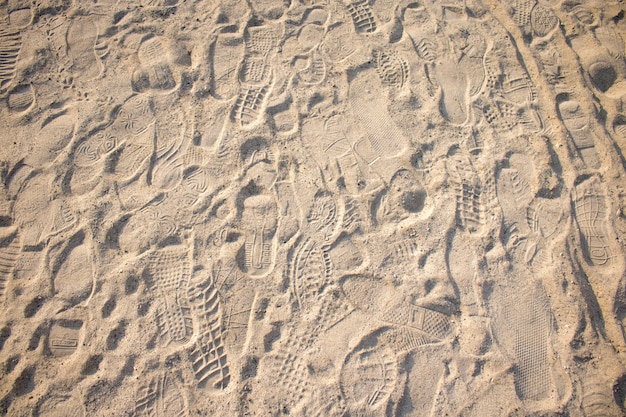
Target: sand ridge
(321,208)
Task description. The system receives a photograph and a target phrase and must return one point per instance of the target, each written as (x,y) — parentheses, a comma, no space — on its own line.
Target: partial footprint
(21,98)
(60,406)
(161,395)
(10,46)
(543,20)
(249,106)
(362,16)
(65,337)
(38,215)
(20,17)
(260,41)
(9,252)
(369,376)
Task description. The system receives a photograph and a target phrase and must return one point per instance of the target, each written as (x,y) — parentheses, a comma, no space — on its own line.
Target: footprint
(590,212)
(468,189)
(337,44)
(38,216)
(454,91)
(155,71)
(92,365)
(602,75)
(532,374)
(81,38)
(116,335)
(578,125)
(362,16)
(259,44)
(522,324)
(249,106)
(260,221)
(514,194)
(208,355)
(471,62)
(34,306)
(5,333)
(370,111)
(521,11)
(243,313)
(309,272)
(315,72)
(369,376)
(543,20)
(25,383)
(9,252)
(392,69)
(110,305)
(20,17)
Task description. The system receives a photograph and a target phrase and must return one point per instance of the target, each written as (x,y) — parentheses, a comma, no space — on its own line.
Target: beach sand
(334,208)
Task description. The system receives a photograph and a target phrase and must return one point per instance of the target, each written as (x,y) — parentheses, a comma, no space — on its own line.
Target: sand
(312,208)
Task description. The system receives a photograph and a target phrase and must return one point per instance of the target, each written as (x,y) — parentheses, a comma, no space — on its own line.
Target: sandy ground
(318,208)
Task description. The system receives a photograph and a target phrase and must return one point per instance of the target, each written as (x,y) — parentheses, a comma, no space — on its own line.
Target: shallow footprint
(81,40)
(454,86)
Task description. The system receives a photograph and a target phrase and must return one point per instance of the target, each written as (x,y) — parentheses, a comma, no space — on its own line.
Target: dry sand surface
(333,208)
